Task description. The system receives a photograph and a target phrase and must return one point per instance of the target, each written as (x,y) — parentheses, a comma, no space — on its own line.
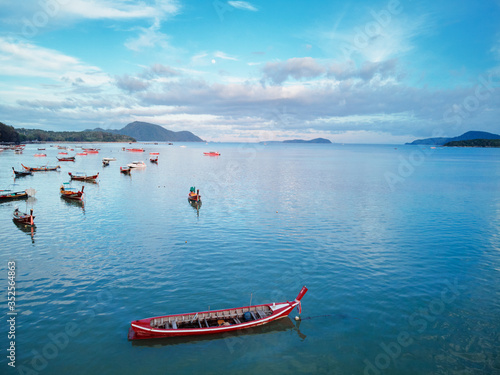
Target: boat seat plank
(174,324)
(199,323)
(261,314)
(236,320)
(253,315)
(206,323)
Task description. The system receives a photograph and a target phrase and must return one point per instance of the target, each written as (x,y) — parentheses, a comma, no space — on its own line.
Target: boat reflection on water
(281,325)
(28,229)
(74,203)
(196,205)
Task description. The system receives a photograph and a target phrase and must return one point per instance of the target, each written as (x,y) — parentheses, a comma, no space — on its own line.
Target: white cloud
(243,5)
(26,59)
(118,9)
(149,37)
(222,55)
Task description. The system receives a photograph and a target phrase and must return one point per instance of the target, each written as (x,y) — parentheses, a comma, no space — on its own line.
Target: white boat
(137,164)
(108,159)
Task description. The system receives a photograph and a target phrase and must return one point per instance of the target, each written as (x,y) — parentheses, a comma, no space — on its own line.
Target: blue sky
(351,71)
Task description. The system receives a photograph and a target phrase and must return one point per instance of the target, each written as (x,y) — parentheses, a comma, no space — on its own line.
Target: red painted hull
(40,169)
(261,314)
(67,159)
(22,218)
(194,197)
(212,153)
(83,178)
(135,149)
(70,194)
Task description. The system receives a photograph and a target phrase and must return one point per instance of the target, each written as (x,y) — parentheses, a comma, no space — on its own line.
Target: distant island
(474,143)
(9,134)
(471,135)
(145,131)
(315,140)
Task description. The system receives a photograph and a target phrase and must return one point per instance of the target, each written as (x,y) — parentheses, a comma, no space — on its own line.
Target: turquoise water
(399,247)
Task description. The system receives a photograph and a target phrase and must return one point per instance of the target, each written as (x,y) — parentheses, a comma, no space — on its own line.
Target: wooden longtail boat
(137,164)
(40,155)
(22,173)
(212,153)
(7,195)
(135,149)
(83,177)
(69,158)
(81,153)
(210,322)
(192,196)
(23,218)
(71,193)
(41,169)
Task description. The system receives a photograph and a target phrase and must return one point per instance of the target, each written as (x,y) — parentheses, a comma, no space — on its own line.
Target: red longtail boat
(22,218)
(210,322)
(212,153)
(68,158)
(40,169)
(71,193)
(83,177)
(192,196)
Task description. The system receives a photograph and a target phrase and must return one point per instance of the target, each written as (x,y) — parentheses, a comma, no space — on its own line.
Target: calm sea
(398,245)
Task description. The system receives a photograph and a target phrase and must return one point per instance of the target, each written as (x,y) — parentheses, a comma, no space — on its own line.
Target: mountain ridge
(145,131)
(467,136)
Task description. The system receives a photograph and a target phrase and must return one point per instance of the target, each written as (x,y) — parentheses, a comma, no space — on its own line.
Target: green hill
(30,135)
(475,143)
(145,131)
(8,134)
(464,137)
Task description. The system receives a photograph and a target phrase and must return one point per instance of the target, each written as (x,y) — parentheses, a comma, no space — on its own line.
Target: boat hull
(13,196)
(83,178)
(229,318)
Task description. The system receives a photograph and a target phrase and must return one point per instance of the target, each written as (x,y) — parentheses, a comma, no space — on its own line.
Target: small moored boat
(22,173)
(154,160)
(22,218)
(40,155)
(41,169)
(212,153)
(83,176)
(137,164)
(7,195)
(210,322)
(125,170)
(135,149)
(68,158)
(71,193)
(192,196)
